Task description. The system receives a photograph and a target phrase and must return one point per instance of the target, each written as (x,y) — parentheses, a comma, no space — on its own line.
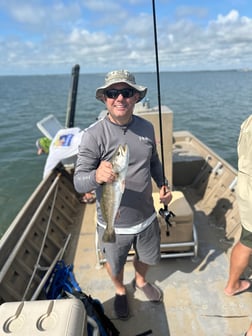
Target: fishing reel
(166,214)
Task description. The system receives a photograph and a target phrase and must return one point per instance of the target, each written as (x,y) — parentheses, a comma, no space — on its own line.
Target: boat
(198,231)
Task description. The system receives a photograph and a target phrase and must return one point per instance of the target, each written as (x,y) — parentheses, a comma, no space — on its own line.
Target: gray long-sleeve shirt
(98,143)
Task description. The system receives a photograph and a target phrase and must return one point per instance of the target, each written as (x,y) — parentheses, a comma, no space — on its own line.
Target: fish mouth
(124,149)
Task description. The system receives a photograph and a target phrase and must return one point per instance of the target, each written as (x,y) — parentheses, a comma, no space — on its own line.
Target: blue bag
(62,280)
(62,283)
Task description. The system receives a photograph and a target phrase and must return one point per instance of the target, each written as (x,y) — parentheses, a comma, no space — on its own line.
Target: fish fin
(109,236)
(118,214)
(122,186)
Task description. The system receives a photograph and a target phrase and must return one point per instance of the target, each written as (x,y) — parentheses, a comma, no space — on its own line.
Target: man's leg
(147,247)
(249,332)
(140,272)
(151,291)
(240,256)
(121,302)
(117,280)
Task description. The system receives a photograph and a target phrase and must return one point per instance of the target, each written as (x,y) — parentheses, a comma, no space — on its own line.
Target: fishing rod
(165,213)
(158,88)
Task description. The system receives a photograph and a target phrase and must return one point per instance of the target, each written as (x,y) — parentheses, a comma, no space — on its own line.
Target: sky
(51,36)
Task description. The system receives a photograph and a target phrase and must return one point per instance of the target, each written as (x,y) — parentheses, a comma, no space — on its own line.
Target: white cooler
(64,317)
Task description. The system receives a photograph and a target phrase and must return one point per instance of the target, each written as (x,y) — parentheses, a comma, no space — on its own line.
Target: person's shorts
(146,245)
(246,237)
(244,200)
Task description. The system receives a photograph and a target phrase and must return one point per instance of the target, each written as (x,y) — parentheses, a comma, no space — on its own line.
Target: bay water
(211,105)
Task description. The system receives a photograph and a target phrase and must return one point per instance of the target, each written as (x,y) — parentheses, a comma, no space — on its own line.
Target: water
(211,105)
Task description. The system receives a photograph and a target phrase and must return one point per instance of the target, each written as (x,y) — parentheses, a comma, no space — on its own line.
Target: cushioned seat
(179,236)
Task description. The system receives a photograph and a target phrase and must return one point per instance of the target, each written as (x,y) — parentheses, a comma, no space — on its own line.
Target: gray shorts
(146,245)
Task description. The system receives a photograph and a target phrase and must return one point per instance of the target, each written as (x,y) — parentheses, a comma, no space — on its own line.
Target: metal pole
(70,114)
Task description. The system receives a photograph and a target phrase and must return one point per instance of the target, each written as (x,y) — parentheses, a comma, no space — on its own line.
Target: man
(136,223)
(241,252)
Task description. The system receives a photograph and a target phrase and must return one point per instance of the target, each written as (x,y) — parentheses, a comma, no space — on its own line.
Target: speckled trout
(112,192)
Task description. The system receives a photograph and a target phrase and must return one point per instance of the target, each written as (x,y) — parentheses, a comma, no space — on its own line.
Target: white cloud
(28,14)
(185,11)
(231,17)
(51,36)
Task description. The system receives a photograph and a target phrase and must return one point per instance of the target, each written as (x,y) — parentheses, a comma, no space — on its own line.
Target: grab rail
(48,273)
(37,265)
(14,252)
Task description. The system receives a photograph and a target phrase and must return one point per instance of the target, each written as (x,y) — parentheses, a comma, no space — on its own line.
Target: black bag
(95,310)
(62,284)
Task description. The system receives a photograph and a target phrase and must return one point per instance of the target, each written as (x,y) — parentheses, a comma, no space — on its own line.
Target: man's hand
(165,195)
(104,173)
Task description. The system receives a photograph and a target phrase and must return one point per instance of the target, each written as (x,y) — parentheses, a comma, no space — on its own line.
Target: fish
(112,192)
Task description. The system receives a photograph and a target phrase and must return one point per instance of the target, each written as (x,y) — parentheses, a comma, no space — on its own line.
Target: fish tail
(109,236)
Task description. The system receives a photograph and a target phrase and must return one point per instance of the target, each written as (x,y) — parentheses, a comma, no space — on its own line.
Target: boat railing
(27,230)
(48,272)
(37,246)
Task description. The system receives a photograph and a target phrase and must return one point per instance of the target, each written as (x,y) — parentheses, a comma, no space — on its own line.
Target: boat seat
(179,238)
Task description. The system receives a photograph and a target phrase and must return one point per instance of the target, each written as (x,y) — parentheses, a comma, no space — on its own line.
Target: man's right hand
(104,173)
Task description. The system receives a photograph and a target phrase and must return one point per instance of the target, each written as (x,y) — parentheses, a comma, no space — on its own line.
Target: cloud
(191,11)
(28,14)
(49,37)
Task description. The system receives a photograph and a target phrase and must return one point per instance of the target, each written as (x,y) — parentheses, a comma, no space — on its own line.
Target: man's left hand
(165,195)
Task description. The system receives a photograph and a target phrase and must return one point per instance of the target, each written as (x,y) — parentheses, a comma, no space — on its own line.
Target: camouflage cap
(44,144)
(120,76)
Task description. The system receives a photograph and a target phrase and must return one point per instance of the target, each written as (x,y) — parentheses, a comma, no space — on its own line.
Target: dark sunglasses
(114,93)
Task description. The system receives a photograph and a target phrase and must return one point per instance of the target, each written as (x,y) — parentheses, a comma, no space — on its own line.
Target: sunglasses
(114,93)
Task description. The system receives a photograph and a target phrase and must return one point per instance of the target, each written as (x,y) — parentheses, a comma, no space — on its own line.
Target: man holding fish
(117,158)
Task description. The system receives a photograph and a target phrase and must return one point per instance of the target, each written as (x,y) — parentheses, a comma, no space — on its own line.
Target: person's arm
(87,162)
(162,183)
